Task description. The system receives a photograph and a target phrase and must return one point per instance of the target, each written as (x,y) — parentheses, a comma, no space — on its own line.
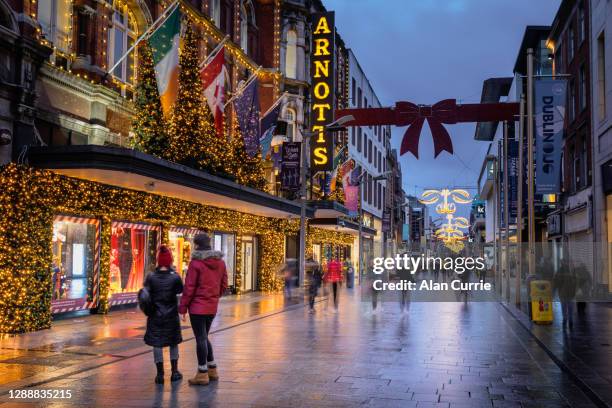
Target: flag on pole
(334,175)
(247,111)
(267,126)
(213,81)
(345,171)
(164,44)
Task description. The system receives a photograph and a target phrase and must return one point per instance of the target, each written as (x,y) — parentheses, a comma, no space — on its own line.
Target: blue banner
(550,97)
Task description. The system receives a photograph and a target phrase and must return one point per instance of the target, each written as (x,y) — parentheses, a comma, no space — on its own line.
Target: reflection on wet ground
(71,342)
(436,354)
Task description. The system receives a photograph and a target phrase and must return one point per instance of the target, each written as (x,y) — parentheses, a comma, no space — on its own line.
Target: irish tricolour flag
(164,43)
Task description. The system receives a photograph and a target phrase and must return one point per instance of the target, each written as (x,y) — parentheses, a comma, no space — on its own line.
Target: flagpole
(243,87)
(214,52)
(160,20)
(274,104)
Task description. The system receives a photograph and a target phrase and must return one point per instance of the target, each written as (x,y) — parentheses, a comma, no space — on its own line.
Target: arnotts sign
(322,90)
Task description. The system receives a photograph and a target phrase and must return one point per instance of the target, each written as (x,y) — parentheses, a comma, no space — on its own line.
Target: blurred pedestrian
(350,273)
(314,276)
(163,325)
(371,277)
(334,276)
(205,283)
(565,283)
(289,273)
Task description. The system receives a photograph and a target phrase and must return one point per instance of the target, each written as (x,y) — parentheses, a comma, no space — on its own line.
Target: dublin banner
(549,120)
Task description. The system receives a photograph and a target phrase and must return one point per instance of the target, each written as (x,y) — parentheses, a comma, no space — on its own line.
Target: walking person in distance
(334,275)
(205,283)
(163,325)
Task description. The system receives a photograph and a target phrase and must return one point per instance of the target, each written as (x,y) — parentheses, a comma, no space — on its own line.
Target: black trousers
(335,290)
(201,327)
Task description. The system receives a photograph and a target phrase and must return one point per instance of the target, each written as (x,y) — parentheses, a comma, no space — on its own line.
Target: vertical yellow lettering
(321,108)
(321,46)
(321,90)
(322,27)
(320,155)
(321,69)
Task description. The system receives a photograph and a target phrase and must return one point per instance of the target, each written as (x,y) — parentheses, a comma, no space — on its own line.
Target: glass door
(248,263)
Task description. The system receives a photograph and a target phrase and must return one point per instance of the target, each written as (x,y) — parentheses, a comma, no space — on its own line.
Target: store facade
(86,240)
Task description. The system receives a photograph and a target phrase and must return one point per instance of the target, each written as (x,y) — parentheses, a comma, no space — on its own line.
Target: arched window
(244,29)
(121,37)
(215,12)
(290,118)
(55,24)
(291,54)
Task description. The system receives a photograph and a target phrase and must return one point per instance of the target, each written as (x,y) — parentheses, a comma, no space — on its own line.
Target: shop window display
(133,248)
(75,248)
(181,245)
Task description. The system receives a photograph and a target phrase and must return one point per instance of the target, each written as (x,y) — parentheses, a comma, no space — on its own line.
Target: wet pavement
(84,341)
(585,349)
(437,354)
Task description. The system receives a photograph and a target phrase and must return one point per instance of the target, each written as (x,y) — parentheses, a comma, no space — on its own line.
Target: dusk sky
(423,51)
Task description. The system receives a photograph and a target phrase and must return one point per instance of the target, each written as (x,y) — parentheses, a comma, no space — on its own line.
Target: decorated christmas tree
(245,170)
(193,138)
(148,126)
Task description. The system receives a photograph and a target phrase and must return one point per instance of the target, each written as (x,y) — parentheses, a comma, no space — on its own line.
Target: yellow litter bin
(541,302)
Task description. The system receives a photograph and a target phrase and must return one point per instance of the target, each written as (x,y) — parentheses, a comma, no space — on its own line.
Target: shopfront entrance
(76,263)
(249,260)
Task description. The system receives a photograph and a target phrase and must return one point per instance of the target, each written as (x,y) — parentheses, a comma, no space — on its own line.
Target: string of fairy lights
(31,197)
(203,21)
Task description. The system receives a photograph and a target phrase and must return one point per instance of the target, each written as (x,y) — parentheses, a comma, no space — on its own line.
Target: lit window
(291,55)
(54,19)
(244,29)
(121,37)
(290,118)
(215,12)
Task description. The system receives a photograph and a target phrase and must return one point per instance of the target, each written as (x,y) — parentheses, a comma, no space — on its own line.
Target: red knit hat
(164,257)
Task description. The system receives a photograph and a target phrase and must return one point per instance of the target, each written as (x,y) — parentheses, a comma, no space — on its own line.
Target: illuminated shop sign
(322,90)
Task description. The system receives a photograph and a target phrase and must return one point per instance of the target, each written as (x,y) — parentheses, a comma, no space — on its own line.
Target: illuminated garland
(31,197)
(323,236)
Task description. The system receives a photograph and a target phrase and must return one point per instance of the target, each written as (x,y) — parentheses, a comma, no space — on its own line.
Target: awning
(341,225)
(328,209)
(127,168)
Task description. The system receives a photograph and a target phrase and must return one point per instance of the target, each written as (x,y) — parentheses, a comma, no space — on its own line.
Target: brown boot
(213,375)
(199,379)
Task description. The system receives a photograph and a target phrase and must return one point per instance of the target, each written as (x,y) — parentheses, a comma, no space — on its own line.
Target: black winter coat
(163,326)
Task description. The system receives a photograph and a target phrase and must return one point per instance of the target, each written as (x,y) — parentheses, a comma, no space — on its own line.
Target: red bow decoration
(444,112)
(414,115)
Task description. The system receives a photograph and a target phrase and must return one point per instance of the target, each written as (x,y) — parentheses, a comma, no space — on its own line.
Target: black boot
(159,379)
(176,374)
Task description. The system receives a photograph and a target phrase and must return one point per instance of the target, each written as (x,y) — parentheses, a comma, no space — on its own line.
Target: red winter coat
(334,271)
(205,283)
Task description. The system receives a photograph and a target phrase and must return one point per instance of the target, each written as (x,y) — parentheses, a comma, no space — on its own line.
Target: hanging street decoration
(457,196)
(450,233)
(437,115)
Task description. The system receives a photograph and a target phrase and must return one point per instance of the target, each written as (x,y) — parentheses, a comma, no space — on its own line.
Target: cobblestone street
(274,354)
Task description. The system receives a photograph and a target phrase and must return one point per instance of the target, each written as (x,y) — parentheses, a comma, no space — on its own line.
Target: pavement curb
(584,387)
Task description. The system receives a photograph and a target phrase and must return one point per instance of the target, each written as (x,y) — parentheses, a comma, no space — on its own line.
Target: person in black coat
(163,324)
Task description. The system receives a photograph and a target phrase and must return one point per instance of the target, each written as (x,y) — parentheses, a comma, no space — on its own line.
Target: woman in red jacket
(205,283)
(334,275)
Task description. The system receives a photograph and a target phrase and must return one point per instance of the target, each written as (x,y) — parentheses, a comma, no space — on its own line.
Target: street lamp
(335,126)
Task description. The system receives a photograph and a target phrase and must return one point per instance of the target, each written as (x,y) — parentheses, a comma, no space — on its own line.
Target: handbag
(144,301)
